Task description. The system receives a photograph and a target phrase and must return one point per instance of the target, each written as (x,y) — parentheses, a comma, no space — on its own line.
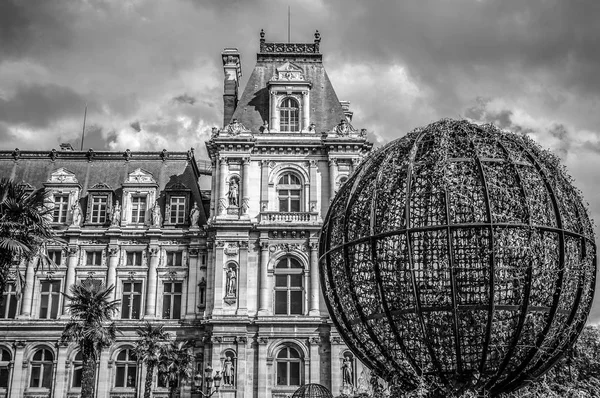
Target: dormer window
(61,208)
(99,203)
(64,194)
(139,194)
(177,205)
(289,112)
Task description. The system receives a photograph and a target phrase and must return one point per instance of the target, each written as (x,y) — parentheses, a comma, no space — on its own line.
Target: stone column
(264,185)
(28,290)
(152,281)
(70,278)
(263,304)
(274,114)
(263,369)
(314,279)
(332,176)
(223,186)
(336,373)
(242,368)
(59,388)
(210,278)
(315,360)
(243,280)
(192,283)
(103,384)
(218,278)
(111,275)
(245,185)
(19,373)
(312,170)
(305,110)
(214,197)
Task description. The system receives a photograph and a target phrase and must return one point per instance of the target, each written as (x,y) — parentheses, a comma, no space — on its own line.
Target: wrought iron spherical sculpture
(461,256)
(312,391)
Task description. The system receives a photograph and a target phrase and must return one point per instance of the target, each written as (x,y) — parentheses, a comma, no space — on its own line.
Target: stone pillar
(214,197)
(192,283)
(111,275)
(332,176)
(19,373)
(263,303)
(274,114)
(315,360)
(218,278)
(336,373)
(263,369)
(210,278)
(103,384)
(242,368)
(314,279)
(223,186)
(305,110)
(28,290)
(243,280)
(60,388)
(245,185)
(264,185)
(312,170)
(152,281)
(70,278)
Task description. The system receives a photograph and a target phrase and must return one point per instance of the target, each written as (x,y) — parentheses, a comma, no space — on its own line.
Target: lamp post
(209,381)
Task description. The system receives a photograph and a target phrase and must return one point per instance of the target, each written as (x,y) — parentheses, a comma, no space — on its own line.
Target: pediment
(177,186)
(288,72)
(63,176)
(101,187)
(140,176)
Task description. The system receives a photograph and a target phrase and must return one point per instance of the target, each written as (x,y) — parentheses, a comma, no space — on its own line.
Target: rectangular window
(49,299)
(99,206)
(177,215)
(174,259)
(134,258)
(61,206)
(125,375)
(132,300)
(77,374)
(4,375)
(172,300)
(282,374)
(93,257)
(138,209)
(8,308)
(289,200)
(55,256)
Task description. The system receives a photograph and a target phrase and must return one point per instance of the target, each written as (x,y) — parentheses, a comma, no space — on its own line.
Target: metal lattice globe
(461,256)
(312,391)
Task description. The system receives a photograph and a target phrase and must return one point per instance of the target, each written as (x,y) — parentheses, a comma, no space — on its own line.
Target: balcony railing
(279,217)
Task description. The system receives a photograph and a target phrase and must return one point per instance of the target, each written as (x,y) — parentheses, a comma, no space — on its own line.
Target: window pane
(176,307)
(77,373)
(296,302)
(4,375)
(131,376)
(120,379)
(295,263)
(281,302)
(47,376)
(295,205)
(125,310)
(296,280)
(283,205)
(135,309)
(282,374)
(294,373)
(35,376)
(44,306)
(167,306)
(54,312)
(280,280)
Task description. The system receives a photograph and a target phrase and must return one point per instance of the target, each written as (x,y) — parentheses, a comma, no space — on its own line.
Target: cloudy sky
(150,70)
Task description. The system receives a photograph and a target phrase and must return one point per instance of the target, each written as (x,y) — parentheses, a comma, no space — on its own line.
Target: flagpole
(83,129)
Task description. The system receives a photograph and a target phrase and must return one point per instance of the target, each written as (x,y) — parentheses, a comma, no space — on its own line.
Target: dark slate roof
(253,107)
(111,168)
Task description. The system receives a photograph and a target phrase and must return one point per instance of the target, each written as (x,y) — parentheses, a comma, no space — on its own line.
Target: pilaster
(263,305)
(154,252)
(243,280)
(111,275)
(19,371)
(192,283)
(28,291)
(314,279)
(70,278)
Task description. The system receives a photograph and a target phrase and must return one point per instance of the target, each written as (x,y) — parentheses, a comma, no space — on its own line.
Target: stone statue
(347,371)
(76,221)
(233,193)
(116,215)
(228,371)
(231,282)
(156,216)
(194,215)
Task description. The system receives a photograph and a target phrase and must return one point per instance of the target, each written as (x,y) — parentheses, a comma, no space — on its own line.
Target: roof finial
(262,35)
(317,36)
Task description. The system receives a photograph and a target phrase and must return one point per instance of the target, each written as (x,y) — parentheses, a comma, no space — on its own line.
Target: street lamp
(209,380)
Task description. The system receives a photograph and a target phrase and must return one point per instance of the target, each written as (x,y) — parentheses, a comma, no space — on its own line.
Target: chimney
(232,69)
(347,112)
(65,146)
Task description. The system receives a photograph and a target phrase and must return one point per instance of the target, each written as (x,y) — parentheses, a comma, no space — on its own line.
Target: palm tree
(176,364)
(150,346)
(90,326)
(24,226)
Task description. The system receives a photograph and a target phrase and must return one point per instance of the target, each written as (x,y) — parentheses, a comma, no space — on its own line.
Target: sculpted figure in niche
(233,193)
(347,371)
(228,371)
(116,215)
(231,282)
(76,215)
(194,215)
(156,216)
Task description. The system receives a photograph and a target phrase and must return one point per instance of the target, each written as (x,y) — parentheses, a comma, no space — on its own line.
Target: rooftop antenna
(83,129)
(289,20)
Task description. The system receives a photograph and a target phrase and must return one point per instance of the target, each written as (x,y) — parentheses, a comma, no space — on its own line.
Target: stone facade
(235,270)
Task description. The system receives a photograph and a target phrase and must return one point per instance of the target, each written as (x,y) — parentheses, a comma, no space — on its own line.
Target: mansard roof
(252,109)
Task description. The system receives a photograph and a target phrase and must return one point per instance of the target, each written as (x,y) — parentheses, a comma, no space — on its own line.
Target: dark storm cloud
(185,99)
(39,105)
(136,126)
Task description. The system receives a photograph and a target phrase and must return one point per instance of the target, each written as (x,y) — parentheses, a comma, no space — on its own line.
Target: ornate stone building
(223,252)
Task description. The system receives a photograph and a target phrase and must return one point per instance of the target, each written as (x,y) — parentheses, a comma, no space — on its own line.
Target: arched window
(42,366)
(289,287)
(5,367)
(289,189)
(289,367)
(126,366)
(288,115)
(77,370)
(229,368)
